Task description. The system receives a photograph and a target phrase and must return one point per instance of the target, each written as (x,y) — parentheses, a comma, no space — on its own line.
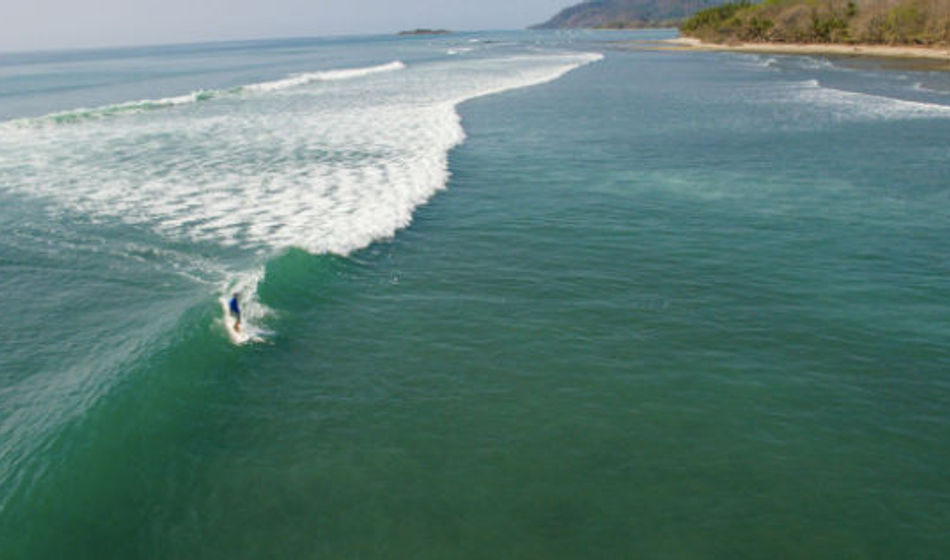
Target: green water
(672,305)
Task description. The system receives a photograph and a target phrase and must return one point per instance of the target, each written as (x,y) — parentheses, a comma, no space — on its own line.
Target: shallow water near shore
(526,295)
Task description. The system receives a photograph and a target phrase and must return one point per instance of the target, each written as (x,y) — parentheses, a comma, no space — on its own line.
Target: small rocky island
(425,32)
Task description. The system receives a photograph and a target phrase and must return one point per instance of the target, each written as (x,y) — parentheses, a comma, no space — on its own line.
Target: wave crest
(849,105)
(144,105)
(326,76)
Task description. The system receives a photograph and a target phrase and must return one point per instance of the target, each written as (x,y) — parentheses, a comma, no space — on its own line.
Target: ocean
(505,295)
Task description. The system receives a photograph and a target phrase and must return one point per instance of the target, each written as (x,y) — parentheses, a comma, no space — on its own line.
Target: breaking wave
(327,76)
(848,105)
(327,170)
(296,80)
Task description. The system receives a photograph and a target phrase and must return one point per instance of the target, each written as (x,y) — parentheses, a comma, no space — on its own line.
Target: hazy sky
(47,24)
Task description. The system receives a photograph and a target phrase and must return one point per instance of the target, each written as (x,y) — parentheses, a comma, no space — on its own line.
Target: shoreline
(883,51)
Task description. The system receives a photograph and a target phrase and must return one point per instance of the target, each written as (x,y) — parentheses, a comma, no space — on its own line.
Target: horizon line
(342,34)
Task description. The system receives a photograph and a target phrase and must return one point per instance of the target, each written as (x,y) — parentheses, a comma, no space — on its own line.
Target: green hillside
(896,22)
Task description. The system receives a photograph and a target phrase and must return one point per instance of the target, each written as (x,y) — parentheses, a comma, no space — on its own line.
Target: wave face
(325,161)
(162,202)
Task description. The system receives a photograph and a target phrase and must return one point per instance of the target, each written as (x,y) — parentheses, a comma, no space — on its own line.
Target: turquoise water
(513,300)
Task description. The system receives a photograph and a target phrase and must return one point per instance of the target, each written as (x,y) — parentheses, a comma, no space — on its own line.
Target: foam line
(83,114)
(850,105)
(77,115)
(327,76)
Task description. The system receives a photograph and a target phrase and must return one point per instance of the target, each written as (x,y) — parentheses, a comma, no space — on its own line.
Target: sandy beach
(906,52)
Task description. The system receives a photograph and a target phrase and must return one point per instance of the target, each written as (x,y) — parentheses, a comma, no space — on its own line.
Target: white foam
(812,63)
(849,105)
(760,61)
(81,114)
(142,105)
(253,312)
(326,170)
(327,76)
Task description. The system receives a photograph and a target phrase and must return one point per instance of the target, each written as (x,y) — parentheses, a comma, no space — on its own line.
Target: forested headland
(889,22)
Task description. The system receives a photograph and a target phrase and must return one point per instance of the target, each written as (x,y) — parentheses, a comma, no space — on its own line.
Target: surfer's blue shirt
(234,307)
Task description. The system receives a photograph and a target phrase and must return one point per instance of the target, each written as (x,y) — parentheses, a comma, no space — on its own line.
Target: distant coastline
(625,14)
(889,51)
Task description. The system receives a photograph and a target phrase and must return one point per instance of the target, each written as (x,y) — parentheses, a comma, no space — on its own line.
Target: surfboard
(236,336)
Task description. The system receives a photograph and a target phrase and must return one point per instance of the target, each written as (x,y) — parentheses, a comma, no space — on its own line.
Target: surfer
(236,311)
